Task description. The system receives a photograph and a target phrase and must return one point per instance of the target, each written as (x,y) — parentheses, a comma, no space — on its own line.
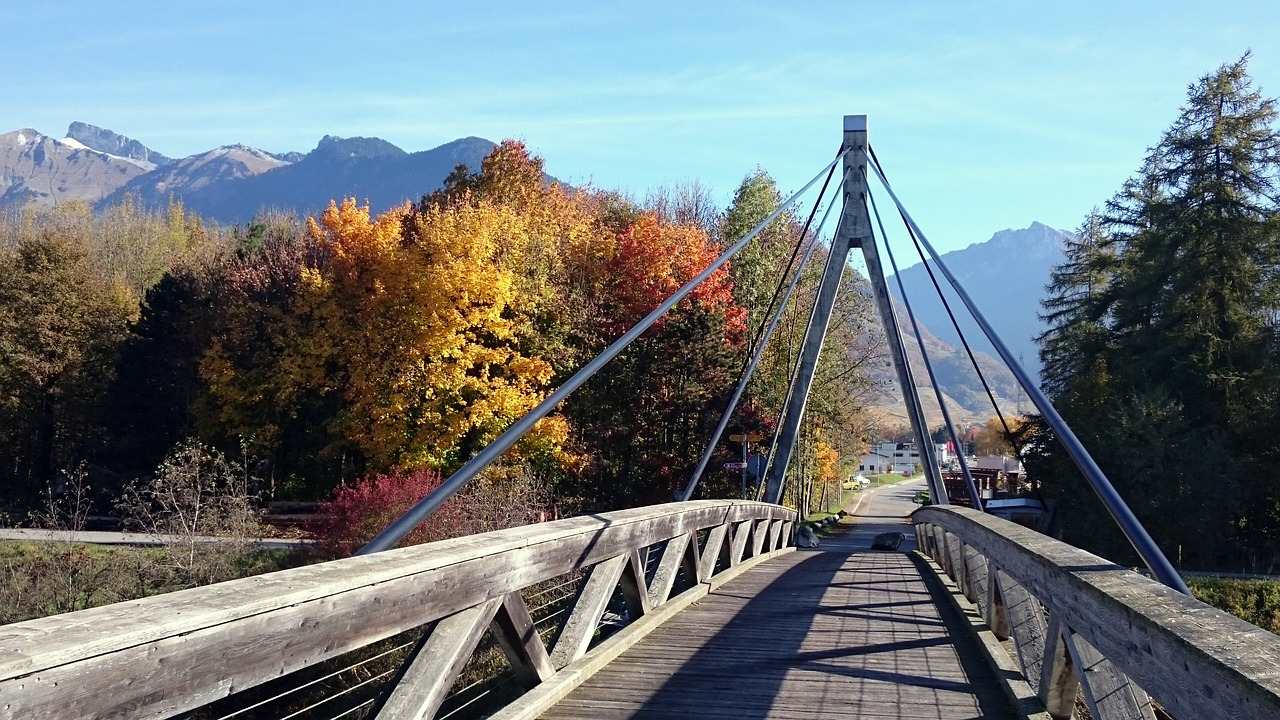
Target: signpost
(745,440)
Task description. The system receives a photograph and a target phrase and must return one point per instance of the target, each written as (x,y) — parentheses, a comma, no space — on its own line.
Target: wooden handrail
(1080,621)
(164,655)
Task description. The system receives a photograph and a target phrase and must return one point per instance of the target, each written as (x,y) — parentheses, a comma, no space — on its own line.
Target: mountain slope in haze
(182,178)
(967,401)
(43,170)
(1006,277)
(364,168)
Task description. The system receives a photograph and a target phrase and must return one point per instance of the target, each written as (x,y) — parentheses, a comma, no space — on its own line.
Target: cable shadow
(743,668)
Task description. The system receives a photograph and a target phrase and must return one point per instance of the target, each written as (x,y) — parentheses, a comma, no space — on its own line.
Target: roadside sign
(751,437)
(755,464)
(735,466)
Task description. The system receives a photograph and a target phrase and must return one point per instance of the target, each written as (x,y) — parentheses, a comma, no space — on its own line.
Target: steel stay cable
(339,694)
(419,512)
(822,192)
(1137,535)
(306,685)
(924,354)
(795,373)
(964,341)
(759,350)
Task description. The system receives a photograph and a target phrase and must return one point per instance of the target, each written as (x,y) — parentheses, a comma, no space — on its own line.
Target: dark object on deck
(806,537)
(888,541)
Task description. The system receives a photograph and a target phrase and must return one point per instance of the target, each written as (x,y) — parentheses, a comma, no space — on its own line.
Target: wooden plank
(430,675)
(1109,693)
(635,592)
(690,562)
(1193,659)
(741,534)
(943,556)
(665,578)
(713,550)
(1026,623)
(513,628)
(976,570)
(820,634)
(997,616)
(1057,682)
(759,536)
(577,630)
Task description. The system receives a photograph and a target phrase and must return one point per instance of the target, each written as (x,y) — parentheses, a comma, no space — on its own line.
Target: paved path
(837,632)
(96,537)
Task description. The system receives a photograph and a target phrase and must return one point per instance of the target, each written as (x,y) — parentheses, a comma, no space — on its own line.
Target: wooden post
(513,628)
(576,632)
(1108,692)
(1057,682)
(427,680)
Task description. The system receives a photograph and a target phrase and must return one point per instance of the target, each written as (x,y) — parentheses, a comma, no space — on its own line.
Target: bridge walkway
(837,632)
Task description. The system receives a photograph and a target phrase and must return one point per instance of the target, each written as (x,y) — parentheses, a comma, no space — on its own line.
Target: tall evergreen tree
(1162,327)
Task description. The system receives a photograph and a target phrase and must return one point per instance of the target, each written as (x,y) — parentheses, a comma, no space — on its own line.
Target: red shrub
(361,510)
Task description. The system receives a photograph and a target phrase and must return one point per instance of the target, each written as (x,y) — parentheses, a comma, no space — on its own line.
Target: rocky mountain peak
(334,147)
(112,143)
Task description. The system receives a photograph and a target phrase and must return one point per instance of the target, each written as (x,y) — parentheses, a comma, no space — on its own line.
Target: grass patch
(832,509)
(891,478)
(1254,601)
(41,579)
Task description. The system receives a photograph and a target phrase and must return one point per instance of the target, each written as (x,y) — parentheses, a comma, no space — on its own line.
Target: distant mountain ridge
(228,184)
(1006,277)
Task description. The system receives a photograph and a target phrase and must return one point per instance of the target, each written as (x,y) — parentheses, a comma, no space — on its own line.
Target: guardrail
(1079,622)
(171,654)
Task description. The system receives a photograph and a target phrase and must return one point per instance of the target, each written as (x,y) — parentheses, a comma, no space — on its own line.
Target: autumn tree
(60,326)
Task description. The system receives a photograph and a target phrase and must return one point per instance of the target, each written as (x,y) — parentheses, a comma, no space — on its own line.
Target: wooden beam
(975,590)
(996,614)
(665,578)
(741,534)
(1057,682)
(427,681)
(577,630)
(713,550)
(635,592)
(1026,623)
(1108,692)
(514,630)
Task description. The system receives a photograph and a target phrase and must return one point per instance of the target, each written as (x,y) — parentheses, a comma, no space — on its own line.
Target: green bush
(1254,601)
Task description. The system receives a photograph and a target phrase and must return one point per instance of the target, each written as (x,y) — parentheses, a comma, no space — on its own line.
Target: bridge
(700,607)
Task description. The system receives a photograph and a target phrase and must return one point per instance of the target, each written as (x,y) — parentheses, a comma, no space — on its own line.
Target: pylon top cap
(855,123)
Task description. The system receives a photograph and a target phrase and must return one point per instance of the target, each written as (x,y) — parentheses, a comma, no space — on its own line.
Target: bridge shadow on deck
(840,632)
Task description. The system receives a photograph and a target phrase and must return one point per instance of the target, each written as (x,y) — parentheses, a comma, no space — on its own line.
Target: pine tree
(1162,339)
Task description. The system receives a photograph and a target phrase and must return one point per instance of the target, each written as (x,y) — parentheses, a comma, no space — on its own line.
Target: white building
(874,463)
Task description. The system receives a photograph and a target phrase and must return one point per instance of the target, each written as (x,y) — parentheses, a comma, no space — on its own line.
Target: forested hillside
(362,350)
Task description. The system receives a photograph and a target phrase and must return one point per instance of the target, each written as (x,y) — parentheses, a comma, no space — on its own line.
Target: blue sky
(987,115)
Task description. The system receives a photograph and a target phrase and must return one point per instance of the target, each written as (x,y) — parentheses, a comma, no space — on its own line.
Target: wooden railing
(170,654)
(1079,622)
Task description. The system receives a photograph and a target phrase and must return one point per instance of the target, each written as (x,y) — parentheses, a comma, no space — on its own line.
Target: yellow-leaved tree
(427,323)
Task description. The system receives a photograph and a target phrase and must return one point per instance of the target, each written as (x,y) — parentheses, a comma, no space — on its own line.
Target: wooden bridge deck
(838,632)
